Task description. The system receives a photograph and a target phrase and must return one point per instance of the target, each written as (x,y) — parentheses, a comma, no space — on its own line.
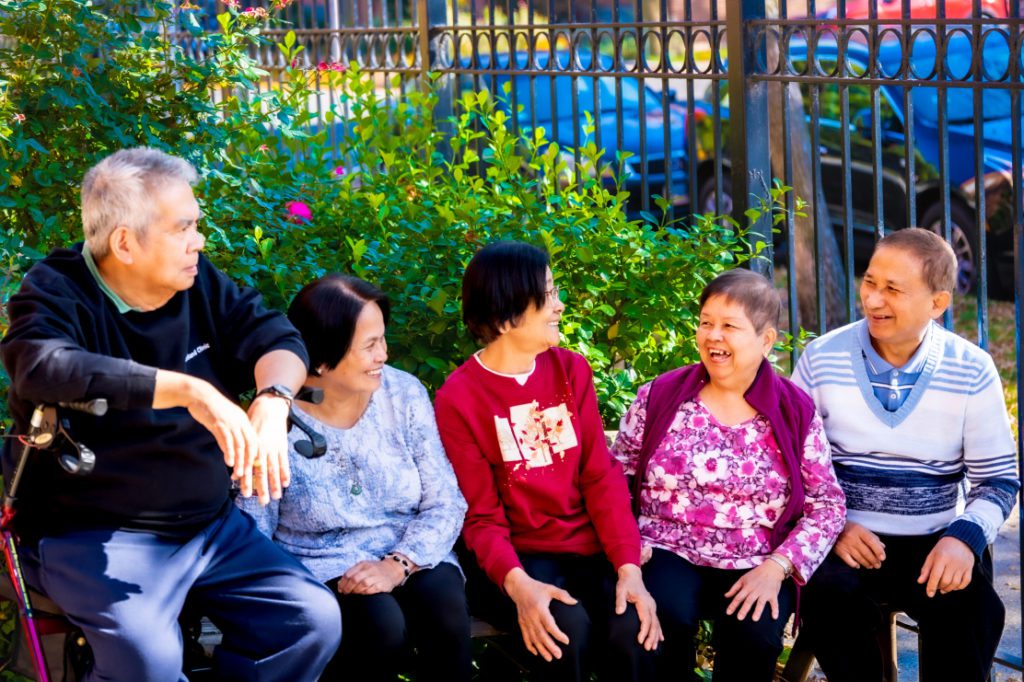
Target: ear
(123,244)
(940,301)
(769,336)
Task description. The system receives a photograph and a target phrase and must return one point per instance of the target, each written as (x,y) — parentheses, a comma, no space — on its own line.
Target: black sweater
(157,470)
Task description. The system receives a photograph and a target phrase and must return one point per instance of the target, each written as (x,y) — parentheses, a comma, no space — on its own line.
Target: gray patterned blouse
(385,485)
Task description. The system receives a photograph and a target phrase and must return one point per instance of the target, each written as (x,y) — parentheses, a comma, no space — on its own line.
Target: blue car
(539,107)
(994,131)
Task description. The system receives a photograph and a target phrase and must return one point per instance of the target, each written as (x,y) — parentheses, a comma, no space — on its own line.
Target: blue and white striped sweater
(903,472)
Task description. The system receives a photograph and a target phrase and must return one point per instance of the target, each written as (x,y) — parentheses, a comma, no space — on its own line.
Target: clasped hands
(947,568)
(255,444)
(541,633)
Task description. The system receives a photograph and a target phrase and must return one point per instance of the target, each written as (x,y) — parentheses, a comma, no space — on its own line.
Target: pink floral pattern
(712,493)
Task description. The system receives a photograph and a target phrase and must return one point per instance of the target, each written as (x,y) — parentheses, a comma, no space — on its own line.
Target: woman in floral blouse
(375,518)
(733,485)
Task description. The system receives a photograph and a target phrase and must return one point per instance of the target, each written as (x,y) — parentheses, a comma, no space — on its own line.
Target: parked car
(920,9)
(994,132)
(643,138)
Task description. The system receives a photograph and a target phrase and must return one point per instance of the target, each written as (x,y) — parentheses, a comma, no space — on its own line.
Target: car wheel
(706,196)
(963,239)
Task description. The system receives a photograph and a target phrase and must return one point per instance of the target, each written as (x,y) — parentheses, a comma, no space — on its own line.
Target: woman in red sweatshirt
(549,518)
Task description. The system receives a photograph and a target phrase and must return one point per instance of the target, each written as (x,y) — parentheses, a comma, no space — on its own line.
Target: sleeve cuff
(624,554)
(968,533)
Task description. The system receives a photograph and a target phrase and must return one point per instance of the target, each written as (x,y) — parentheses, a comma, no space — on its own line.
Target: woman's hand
(533,604)
(371,577)
(756,588)
(630,589)
(646,552)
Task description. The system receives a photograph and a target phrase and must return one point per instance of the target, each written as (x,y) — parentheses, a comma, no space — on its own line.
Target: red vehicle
(920,9)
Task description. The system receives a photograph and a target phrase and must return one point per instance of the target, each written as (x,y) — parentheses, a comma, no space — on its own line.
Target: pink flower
(299,211)
(280,4)
(338,66)
(19,118)
(263,148)
(339,170)
(258,12)
(233,4)
(322,66)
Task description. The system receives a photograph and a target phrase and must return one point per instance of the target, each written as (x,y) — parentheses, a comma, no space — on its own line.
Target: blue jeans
(125,589)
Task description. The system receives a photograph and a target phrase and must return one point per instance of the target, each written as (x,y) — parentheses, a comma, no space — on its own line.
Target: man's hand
(859,547)
(630,589)
(371,577)
(948,567)
(757,588)
(270,472)
(533,604)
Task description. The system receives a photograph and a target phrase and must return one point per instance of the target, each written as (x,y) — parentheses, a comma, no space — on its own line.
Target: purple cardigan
(787,408)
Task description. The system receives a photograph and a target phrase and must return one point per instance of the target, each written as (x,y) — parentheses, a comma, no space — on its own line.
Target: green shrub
(410,201)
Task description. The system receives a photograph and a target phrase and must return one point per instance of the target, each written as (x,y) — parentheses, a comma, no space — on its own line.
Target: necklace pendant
(356,489)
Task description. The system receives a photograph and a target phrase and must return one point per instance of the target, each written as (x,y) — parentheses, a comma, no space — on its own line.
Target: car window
(830,104)
(542,101)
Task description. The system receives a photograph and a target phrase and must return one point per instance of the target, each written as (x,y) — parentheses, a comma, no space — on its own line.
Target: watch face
(278,390)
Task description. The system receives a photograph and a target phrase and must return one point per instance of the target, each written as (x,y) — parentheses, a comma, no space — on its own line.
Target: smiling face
(165,260)
(898,304)
(731,349)
(536,330)
(359,371)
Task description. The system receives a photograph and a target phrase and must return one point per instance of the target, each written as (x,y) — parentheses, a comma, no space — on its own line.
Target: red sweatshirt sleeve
(602,480)
(486,529)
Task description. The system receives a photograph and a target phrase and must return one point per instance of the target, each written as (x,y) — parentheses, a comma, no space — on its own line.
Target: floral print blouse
(712,493)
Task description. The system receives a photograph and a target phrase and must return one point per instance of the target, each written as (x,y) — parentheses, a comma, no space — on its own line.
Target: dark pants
(599,640)
(427,613)
(745,650)
(126,589)
(843,614)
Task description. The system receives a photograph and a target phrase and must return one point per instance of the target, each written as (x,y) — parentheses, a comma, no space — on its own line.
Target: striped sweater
(903,472)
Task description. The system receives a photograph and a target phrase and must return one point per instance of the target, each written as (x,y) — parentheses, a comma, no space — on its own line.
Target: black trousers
(428,613)
(745,650)
(842,611)
(599,640)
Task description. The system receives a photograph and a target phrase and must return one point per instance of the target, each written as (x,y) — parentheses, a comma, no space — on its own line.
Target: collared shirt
(119,303)
(891,385)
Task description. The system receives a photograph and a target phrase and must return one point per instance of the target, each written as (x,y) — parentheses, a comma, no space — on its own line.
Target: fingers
(564,597)
(620,598)
(650,627)
(538,631)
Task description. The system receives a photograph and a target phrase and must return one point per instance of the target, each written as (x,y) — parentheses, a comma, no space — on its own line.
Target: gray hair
(752,291)
(119,189)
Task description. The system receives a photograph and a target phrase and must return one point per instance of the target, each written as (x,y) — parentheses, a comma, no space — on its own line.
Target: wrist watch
(279,390)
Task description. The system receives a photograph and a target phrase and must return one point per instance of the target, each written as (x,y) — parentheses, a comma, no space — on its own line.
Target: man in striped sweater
(912,411)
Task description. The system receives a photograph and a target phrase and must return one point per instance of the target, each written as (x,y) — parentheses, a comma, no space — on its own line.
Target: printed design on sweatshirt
(534,437)
(192,354)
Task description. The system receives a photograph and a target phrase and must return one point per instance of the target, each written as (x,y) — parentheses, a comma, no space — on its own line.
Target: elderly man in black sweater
(136,315)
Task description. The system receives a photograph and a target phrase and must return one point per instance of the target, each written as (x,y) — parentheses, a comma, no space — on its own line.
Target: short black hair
(501,281)
(325,313)
(753,292)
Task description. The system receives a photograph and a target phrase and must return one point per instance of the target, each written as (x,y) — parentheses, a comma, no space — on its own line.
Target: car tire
(964,240)
(706,196)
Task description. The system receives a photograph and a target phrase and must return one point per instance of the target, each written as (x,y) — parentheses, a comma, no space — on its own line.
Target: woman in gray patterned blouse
(377,516)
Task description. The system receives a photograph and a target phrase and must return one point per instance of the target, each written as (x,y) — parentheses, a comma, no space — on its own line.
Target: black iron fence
(878,115)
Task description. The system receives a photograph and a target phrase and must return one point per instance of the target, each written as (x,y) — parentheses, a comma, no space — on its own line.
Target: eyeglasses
(552,293)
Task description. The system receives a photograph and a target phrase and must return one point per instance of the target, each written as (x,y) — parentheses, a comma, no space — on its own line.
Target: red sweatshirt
(533,464)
